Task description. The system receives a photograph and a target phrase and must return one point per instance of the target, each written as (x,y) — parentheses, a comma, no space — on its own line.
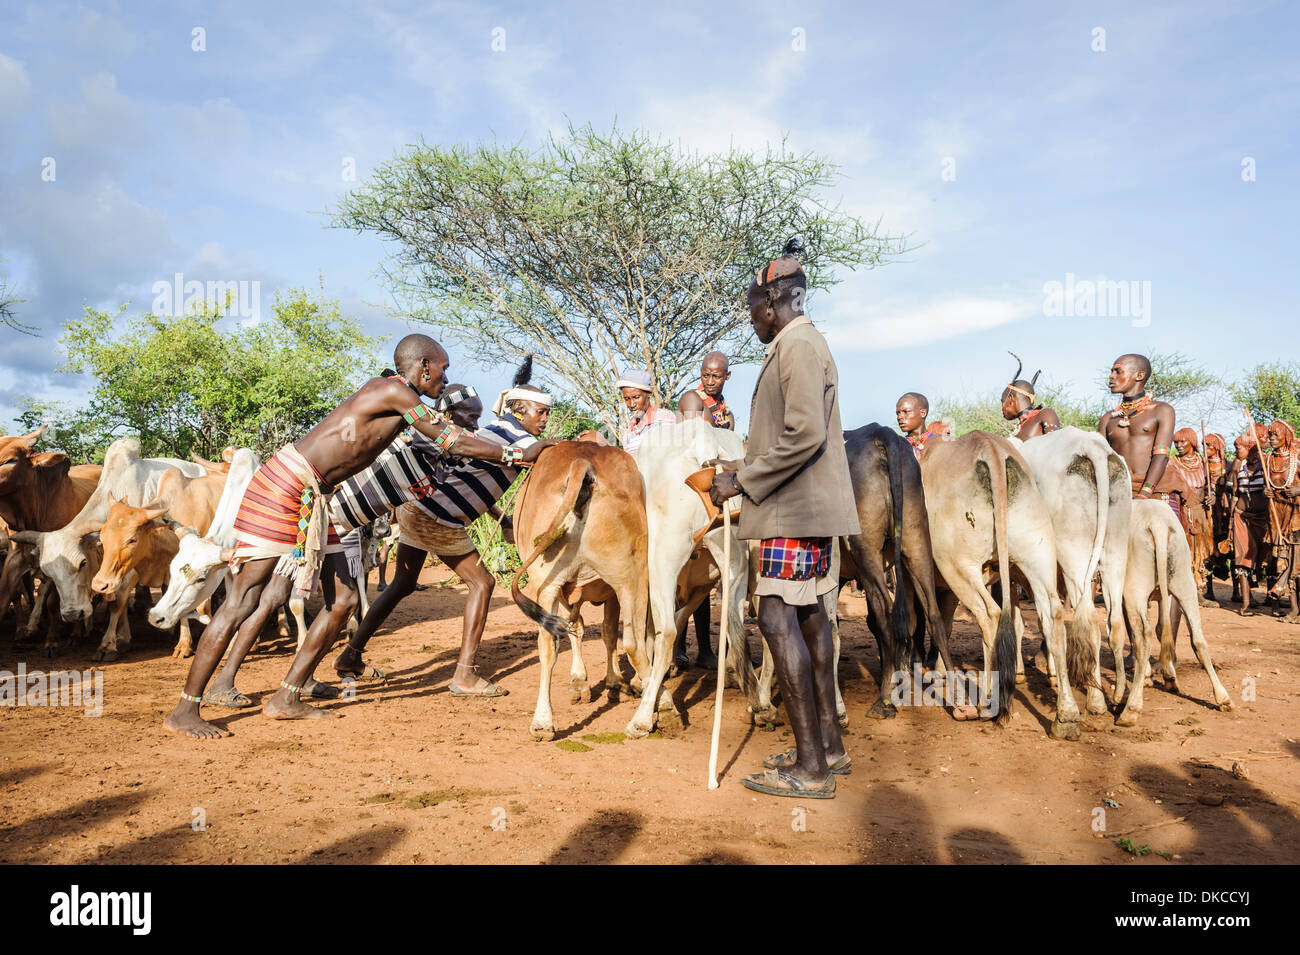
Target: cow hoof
(636,732)
(1051,680)
(843,720)
(882,711)
(1128,718)
(50,652)
(541,733)
(580,694)
(104,656)
(1064,731)
(181,653)
(1020,679)
(1096,709)
(1209,603)
(1225,706)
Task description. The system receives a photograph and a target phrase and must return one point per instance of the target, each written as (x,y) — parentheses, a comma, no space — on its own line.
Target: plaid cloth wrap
(794,558)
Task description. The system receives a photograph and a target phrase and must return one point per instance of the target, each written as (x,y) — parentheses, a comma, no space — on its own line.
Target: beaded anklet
(191,699)
(290,687)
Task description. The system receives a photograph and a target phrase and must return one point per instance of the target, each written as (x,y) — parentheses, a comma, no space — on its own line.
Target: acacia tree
(598,252)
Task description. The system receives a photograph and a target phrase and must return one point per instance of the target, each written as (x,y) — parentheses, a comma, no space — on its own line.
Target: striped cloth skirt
(267,523)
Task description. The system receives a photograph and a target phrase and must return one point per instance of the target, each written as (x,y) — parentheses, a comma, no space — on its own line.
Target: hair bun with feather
(524,374)
(793,248)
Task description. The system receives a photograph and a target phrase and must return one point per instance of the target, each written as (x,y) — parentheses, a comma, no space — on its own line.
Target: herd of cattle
(977,522)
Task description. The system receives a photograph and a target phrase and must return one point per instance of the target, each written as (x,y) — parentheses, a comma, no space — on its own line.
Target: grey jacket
(796,475)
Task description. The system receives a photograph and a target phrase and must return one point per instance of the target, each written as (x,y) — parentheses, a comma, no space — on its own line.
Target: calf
(138,548)
(581,518)
(1159,567)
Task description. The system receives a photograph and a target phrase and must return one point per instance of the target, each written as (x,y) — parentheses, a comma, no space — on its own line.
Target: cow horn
(26,537)
(1020,366)
(34,436)
(181,529)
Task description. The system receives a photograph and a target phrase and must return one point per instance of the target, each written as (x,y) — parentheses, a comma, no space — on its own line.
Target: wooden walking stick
(722,640)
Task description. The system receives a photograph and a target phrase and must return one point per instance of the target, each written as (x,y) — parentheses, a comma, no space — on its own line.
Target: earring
(426,376)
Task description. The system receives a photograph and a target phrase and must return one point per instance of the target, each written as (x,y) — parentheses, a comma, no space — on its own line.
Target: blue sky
(1062,159)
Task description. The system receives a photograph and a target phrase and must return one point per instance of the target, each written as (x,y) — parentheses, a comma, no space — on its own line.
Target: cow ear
(51,459)
(111,499)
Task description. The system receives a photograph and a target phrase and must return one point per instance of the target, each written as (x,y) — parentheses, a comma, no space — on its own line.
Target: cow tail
(1082,626)
(899,619)
(579,478)
(1004,644)
(1160,541)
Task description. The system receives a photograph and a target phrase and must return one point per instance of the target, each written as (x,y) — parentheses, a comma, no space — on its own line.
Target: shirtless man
(707,398)
(273,553)
(1141,430)
(911,411)
(1019,405)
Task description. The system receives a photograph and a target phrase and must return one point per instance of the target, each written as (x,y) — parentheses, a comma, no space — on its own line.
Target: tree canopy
(185,384)
(599,252)
(1271,391)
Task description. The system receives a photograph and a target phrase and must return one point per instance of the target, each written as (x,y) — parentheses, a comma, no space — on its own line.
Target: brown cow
(191,502)
(41,491)
(580,523)
(138,547)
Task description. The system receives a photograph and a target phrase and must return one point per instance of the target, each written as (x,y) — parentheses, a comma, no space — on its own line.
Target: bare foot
(185,719)
(286,706)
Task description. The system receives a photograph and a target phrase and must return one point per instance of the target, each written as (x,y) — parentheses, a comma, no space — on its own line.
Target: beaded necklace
(1279,463)
(1132,406)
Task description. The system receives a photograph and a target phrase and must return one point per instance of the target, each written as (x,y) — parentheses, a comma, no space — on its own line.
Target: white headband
(520,394)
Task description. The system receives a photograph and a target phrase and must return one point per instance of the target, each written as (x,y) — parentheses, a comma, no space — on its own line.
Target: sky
(1016,145)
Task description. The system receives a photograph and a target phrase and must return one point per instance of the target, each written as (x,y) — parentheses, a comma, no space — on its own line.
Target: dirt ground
(409,773)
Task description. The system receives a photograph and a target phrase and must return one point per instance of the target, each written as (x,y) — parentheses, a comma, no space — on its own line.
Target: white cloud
(15,87)
(924,325)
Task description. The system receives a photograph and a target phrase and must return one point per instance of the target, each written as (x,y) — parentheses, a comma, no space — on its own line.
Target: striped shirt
(651,419)
(469,488)
(406,470)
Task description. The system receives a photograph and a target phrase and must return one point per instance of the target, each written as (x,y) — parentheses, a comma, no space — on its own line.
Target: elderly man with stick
(798,499)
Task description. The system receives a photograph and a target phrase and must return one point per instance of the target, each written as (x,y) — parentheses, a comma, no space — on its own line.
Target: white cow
(667,456)
(1086,487)
(201,563)
(987,518)
(1159,567)
(70,556)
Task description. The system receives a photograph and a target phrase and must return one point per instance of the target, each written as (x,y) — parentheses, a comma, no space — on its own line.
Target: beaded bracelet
(447,437)
(511,456)
(1159,449)
(191,699)
(415,414)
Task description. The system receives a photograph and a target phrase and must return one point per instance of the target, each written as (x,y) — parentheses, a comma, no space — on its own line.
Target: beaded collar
(1132,406)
